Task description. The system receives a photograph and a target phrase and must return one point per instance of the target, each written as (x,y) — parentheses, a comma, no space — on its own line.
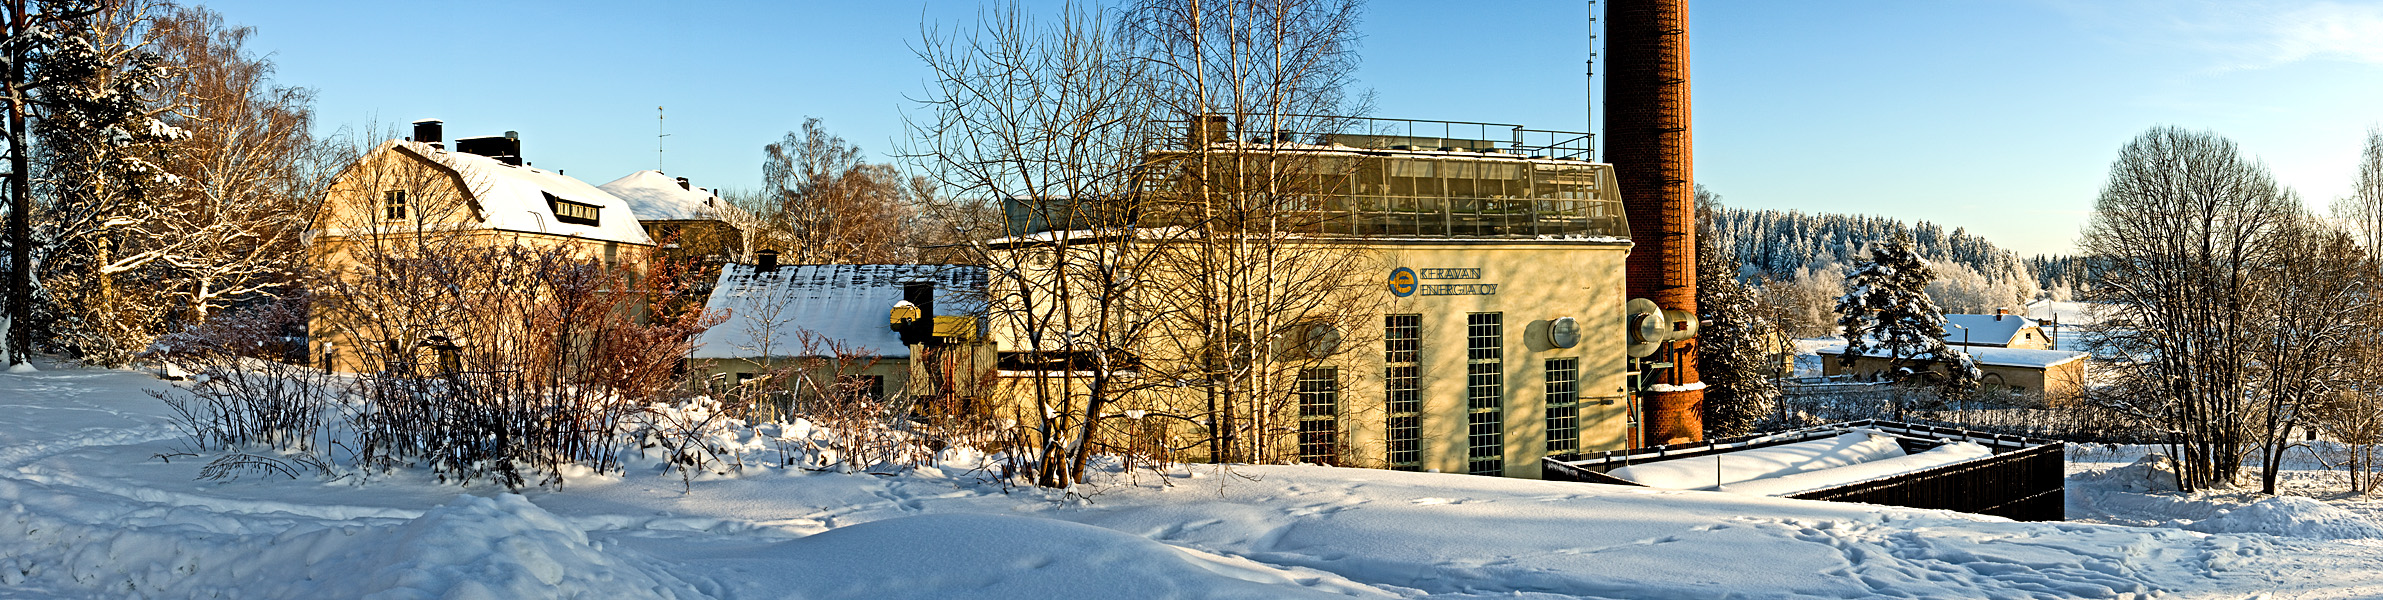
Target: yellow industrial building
(1488,326)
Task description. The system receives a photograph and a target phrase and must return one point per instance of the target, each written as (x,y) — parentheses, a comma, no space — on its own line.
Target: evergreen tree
(1734,355)
(99,143)
(1886,307)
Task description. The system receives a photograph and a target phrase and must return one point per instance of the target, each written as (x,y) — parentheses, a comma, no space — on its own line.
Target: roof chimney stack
(505,149)
(766,261)
(430,131)
(922,295)
(682,184)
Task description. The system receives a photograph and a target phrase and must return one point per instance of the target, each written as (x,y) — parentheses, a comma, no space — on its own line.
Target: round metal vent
(1563,332)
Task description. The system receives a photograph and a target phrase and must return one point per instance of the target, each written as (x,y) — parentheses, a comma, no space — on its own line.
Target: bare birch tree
(2313,301)
(1246,79)
(1048,120)
(248,176)
(2184,223)
(2362,211)
(823,202)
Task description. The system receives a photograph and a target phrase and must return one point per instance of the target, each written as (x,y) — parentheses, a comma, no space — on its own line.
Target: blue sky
(1997,116)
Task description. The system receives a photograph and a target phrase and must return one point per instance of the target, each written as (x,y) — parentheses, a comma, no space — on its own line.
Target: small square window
(393,205)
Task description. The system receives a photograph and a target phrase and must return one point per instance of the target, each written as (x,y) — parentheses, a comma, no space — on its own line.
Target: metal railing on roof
(1388,134)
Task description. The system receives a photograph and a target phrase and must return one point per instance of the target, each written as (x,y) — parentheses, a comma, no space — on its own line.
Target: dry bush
(240,394)
(507,362)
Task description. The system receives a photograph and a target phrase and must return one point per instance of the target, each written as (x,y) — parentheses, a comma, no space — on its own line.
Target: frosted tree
(101,142)
(2362,210)
(1886,308)
(2312,344)
(246,179)
(34,32)
(1737,355)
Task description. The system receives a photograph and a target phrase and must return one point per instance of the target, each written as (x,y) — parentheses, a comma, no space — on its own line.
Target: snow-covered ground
(92,507)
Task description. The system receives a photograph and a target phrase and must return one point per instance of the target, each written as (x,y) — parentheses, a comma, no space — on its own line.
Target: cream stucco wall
(1537,281)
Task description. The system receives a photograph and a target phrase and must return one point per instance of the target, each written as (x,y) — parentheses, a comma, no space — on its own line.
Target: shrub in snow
(238,397)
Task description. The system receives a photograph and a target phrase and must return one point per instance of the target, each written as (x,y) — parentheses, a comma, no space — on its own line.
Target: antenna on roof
(658,135)
(1590,79)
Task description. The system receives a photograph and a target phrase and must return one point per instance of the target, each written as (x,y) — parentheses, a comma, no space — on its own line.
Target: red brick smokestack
(1646,139)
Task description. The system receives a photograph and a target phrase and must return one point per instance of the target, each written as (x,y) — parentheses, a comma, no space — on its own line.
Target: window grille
(393,205)
(1563,405)
(1319,415)
(577,213)
(1402,340)
(1485,390)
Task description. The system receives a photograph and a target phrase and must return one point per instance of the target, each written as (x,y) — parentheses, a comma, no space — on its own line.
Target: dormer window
(393,205)
(577,213)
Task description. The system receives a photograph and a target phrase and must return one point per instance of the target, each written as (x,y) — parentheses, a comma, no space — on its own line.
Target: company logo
(1402,282)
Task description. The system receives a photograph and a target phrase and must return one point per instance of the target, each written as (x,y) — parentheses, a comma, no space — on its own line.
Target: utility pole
(658,135)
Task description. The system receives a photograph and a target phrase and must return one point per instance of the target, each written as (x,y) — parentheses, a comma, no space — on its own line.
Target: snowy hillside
(91,507)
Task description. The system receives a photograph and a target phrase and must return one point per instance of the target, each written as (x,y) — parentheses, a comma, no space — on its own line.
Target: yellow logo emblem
(1402,282)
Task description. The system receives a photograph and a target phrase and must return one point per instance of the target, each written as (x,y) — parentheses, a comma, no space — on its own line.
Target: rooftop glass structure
(1398,178)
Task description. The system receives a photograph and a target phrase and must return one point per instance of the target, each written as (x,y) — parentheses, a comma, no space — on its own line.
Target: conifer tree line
(1799,262)
(1779,243)
(158,175)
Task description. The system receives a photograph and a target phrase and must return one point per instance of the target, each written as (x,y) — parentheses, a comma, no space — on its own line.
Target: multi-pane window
(577,213)
(1319,415)
(1485,390)
(1563,405)
(1402,341)
(393,205)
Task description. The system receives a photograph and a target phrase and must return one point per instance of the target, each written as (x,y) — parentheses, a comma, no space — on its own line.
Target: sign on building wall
(1406,282)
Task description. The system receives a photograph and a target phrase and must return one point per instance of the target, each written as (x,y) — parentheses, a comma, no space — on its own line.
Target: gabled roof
(1984,329)
(1987,355)
(836,306)
(658,197)
(512,198)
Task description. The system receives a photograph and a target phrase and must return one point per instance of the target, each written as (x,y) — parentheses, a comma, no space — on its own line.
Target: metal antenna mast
(658,135)
(1589,83)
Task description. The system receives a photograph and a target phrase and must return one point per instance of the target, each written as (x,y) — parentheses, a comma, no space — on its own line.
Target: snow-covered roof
(1797,483)
(1989,356)
(1852,448)
(514,198)
(658,197)
(1984,329)
(2066,312)
(838,307)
